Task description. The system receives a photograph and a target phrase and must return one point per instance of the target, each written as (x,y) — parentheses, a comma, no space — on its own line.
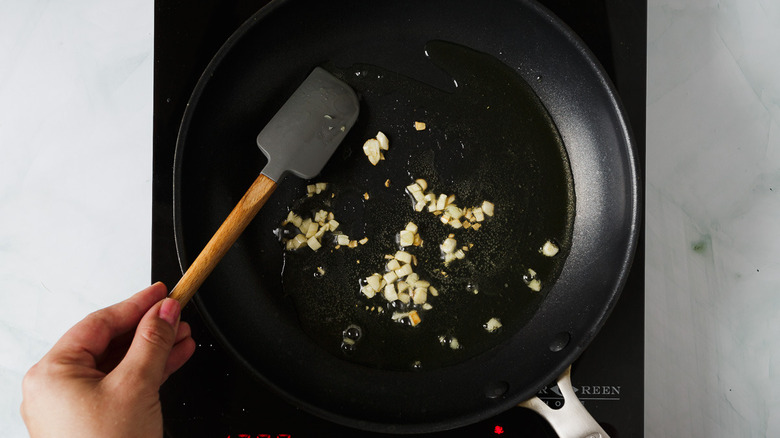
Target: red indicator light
(498,430)
(262,435)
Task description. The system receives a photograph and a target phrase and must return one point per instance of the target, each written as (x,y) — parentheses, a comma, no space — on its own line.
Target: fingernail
(169,311)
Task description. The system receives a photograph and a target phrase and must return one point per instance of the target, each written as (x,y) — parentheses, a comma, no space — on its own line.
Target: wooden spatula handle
(224,238)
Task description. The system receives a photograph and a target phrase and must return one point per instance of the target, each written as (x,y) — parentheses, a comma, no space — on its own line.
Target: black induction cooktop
(213,396)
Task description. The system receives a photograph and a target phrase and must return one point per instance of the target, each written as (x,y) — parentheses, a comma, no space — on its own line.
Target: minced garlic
(373,148)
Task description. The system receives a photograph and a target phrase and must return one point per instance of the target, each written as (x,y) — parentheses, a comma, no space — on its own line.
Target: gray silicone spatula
(300,139)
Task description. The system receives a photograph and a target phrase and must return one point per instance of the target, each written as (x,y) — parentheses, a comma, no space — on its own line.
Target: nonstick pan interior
(216,160)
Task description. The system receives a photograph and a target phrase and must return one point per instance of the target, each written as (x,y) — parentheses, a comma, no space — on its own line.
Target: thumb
(152,344)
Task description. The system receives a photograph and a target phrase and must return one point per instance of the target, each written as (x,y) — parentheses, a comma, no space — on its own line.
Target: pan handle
(572,420)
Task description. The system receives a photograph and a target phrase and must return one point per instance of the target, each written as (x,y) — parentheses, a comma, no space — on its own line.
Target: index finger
(89,338)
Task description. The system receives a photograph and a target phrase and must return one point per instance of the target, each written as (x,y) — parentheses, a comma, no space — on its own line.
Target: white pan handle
(572,420)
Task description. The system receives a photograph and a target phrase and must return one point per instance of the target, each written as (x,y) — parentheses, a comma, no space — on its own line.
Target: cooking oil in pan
(487,137)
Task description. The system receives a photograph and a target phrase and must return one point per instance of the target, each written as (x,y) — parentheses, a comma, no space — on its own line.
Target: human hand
(102,378)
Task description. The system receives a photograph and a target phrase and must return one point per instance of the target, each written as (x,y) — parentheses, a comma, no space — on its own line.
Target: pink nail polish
(169,311)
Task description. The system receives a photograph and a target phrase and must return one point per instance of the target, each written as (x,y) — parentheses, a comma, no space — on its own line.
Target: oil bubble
(353,332)
(529,276)
(399,306)
(350,338)
(348,346)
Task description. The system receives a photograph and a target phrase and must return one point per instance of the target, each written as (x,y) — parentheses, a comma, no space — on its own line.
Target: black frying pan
(265,324)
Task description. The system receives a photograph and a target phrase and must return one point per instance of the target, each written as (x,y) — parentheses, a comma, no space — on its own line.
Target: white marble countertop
(713,235)
(75,197)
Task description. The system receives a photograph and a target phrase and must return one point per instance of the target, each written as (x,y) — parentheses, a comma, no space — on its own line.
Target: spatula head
(308,128)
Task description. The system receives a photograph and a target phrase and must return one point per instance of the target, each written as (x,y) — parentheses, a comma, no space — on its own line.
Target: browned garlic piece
(413,317)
